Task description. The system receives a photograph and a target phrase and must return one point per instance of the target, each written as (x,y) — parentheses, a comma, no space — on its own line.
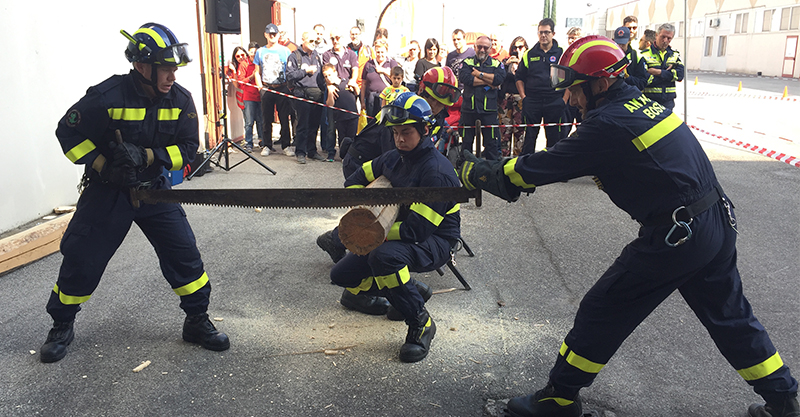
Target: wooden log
(32,244)
(364,228)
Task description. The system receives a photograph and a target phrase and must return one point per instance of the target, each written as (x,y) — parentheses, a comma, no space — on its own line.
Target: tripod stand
(222,147)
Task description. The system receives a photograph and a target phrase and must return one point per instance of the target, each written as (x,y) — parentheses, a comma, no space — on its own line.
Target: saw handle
(131,190)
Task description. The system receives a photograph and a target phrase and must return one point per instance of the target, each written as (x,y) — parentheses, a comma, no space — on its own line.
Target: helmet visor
(562,77)
(445,92)
(173,55)
(393,116)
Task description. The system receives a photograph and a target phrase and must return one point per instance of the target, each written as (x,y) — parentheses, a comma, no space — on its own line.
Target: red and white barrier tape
(780,156)
(739,95)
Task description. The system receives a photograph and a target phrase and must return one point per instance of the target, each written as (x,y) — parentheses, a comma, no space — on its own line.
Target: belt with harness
(684,215)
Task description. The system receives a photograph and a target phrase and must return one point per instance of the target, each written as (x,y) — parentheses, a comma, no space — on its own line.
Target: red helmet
(441,84)
(588,58)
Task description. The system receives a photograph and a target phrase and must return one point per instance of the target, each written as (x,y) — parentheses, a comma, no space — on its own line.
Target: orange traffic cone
(740,86)
(785,92)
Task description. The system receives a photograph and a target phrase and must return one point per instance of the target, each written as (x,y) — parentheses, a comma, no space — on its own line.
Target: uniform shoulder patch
(73,118)
(192,115)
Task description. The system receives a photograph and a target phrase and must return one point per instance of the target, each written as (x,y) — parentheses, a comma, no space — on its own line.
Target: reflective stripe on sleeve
(169,114)
(367,167)
(193,286)
(455,209)
(175,157)
(393,280)
(70,299)
(762,369)
(663,128)
(514,176)
(394,231)
(365,285)
(580,362)
(428,213)
(355,186)
(80,151)
(134,114)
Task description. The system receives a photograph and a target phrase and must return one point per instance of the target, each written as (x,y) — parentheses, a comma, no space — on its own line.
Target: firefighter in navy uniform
(664,67)
(421,238)
(651,166)
(158,123)
(481,76)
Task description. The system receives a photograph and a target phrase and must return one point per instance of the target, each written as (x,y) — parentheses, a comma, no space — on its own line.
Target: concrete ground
(271,293)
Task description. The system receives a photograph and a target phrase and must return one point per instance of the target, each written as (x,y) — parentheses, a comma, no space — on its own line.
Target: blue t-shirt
(273,63)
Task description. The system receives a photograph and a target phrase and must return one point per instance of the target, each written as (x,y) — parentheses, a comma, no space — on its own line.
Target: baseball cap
(622,35)
(271,28)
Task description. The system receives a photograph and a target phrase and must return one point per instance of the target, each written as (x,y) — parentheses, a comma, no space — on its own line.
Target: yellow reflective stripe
(365,285)
(560,401)
(134,114)
(394,231)
(153,34)
(514,176)
(355,186)
(169,114)
(663,128)
(80,151)
(563,349)
(175,156)
(428,213)
(193,286)
(577,53)
(70,299)
(427,326)
(579,361)
(455,208)
(465,170)
(652,90)
(671,89)
(367,167)
(391,281)
(762,369)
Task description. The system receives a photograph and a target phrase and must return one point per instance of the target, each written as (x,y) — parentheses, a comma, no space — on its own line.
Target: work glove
(488,176)
(128,154)
(119,175)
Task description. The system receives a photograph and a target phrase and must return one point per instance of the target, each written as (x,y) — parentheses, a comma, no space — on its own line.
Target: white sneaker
(265,152)
(289,151)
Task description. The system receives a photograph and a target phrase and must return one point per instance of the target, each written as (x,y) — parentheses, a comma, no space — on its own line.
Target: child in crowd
(391,92)
(342,96)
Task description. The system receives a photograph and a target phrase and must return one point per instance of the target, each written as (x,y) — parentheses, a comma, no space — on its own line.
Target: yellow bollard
(785,92)
(695,80)
(740,86)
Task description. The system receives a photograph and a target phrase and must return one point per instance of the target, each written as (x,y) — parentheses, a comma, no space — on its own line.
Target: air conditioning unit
(714,23)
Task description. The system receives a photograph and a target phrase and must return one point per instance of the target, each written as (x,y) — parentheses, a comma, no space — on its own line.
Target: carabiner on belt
(682,224)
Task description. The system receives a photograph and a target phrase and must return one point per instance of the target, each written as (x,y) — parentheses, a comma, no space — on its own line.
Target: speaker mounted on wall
(222,16)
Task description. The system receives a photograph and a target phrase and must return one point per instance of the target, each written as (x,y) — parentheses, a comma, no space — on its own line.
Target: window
(766,25)
(709,45)
(795,22)
(681,29)
(785,13)
(741,23)
(723,41)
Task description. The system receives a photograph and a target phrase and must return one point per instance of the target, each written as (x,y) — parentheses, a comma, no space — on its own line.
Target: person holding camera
(509,106)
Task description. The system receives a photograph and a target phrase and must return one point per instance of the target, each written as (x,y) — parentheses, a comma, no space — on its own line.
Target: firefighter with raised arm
(157,122)
(651,166)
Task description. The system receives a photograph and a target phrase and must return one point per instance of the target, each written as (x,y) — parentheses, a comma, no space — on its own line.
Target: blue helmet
(407,108)
(155,44)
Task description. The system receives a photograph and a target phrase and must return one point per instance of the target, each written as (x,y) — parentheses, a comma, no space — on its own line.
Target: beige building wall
(718,37)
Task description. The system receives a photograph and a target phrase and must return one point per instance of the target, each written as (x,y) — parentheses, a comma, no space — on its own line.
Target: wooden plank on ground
(32,244)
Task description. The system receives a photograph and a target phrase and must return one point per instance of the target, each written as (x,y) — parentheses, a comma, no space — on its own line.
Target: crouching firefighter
(651,166)
(158,124)
(421,238)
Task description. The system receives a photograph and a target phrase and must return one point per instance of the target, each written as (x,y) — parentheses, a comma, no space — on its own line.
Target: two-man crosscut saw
(308,197)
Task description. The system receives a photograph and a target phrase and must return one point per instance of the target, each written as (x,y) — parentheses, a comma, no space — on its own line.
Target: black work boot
(424,290)
(199,329)
(544,402)
(326,243)
(418,340)
(367,304)
(55,347)
(785,407)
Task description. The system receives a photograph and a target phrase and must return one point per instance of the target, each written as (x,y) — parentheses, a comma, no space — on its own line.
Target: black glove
(119,175)
(487,175)
(128,154)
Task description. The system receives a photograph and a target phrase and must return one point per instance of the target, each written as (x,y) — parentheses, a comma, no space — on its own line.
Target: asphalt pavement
(272,296)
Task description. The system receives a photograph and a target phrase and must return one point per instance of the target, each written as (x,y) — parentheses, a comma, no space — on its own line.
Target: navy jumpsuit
(649,163)
(167,125)
(420,239)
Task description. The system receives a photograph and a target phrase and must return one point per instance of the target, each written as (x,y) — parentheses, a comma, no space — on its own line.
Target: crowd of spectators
(505,86)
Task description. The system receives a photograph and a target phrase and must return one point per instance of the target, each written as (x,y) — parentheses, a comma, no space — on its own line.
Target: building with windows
(758,37)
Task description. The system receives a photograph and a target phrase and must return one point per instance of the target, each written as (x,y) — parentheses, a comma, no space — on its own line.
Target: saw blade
(309,197)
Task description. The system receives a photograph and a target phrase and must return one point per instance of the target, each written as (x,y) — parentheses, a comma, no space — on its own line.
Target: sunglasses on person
(633,27)
(482,48)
